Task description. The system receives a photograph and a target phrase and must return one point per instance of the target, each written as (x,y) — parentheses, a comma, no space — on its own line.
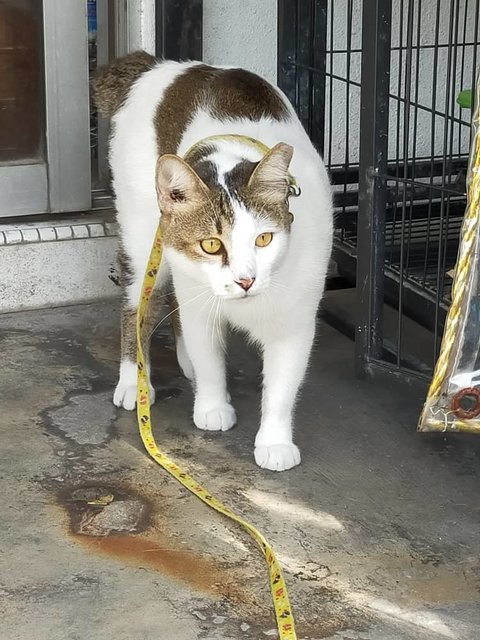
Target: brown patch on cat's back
(112,83)
(227,94)
(237,93)
(180,101)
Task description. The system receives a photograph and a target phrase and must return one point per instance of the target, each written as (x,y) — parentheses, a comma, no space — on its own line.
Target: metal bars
(301,65)
(372,194)
(396,143)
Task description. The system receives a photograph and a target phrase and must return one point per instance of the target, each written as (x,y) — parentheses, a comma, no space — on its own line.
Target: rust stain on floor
(135,539)
(155,552)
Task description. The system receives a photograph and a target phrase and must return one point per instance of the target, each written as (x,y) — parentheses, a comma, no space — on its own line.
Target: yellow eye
(211,245)
(264,239)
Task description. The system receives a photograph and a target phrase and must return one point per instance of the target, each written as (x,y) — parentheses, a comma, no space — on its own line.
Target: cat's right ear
(178,186)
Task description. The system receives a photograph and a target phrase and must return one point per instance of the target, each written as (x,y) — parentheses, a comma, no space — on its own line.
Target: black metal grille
(385,80)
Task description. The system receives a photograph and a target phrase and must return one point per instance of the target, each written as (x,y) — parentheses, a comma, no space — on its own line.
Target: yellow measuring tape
(283,612)
(229,137)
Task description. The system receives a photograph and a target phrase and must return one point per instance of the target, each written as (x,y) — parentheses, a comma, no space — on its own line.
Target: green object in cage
(464,99)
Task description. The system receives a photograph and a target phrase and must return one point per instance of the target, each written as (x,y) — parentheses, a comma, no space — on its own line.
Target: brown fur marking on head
(112,83)
(266,210)
(207,172)
(238,177)
(206,209)
(186,229)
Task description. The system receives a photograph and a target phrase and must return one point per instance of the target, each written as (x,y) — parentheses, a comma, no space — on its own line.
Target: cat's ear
(270,178)
(178,186)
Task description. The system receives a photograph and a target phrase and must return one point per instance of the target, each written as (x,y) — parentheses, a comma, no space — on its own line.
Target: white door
(44,107)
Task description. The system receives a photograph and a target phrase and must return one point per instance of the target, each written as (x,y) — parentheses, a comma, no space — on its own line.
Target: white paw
(184,359)
(126,391)
(126,395)
(277,457)
(219,418)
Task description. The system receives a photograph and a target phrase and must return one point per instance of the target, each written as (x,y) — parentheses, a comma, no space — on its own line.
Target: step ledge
(58,261)
(79,227)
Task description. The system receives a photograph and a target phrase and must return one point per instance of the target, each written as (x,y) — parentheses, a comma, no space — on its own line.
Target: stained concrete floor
(378,529)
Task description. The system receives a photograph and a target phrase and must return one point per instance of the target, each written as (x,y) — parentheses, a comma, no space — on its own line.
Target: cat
(213,153)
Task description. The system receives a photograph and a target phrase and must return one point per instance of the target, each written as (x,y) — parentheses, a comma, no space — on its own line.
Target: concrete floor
(378,529)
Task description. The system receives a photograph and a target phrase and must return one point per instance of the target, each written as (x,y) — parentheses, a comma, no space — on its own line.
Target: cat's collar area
(294,190)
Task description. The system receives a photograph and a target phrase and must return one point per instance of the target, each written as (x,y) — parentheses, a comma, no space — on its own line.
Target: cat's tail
(111,84)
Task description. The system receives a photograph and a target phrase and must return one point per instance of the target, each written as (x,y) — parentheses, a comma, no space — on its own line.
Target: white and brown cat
(239,251)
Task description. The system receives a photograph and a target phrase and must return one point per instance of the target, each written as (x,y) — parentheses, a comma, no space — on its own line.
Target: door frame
(61,182)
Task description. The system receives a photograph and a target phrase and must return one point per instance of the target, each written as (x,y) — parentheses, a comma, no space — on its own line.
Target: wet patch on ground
(86,419)
(103,510)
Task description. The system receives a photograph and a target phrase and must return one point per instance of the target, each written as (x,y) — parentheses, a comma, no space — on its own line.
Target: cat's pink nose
(245,283)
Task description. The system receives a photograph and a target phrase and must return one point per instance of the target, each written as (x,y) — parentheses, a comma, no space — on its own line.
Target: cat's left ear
(270,178)
(178,186)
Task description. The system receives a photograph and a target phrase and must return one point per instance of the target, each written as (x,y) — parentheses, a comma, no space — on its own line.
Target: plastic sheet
(453,399)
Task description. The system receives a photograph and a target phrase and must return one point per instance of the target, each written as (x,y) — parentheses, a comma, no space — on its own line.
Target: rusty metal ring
(458,410)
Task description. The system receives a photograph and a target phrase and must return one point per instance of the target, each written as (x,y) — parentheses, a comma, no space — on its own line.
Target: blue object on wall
(92,19)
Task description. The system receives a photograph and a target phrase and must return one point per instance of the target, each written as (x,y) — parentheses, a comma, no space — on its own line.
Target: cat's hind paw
(277,457)
(220,418)
(126,396)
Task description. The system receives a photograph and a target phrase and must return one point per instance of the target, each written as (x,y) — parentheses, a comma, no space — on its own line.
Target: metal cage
(376,85)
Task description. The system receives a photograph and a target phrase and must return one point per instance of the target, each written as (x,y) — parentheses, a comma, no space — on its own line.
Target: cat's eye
(211,245)
(264,239)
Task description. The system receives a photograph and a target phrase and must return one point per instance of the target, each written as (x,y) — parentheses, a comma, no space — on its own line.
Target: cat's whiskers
(220,327)
(209,328)
(214,323)
(179,307)
(264,308)
(204,303)
(173,292)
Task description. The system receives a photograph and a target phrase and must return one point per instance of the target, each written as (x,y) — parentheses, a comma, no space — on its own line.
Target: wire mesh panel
(396,142)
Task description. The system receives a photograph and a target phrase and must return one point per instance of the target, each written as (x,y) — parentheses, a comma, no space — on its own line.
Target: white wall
(141,25)
(241,33)
(234,33)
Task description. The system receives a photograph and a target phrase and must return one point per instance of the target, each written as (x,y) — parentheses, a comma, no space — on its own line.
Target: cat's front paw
(125,395)
(277,457)
(214,418)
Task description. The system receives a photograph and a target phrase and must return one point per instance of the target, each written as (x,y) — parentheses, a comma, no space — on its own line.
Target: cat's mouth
(240,295)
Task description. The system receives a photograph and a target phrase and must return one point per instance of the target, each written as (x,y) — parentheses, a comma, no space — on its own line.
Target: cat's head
(230,231)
